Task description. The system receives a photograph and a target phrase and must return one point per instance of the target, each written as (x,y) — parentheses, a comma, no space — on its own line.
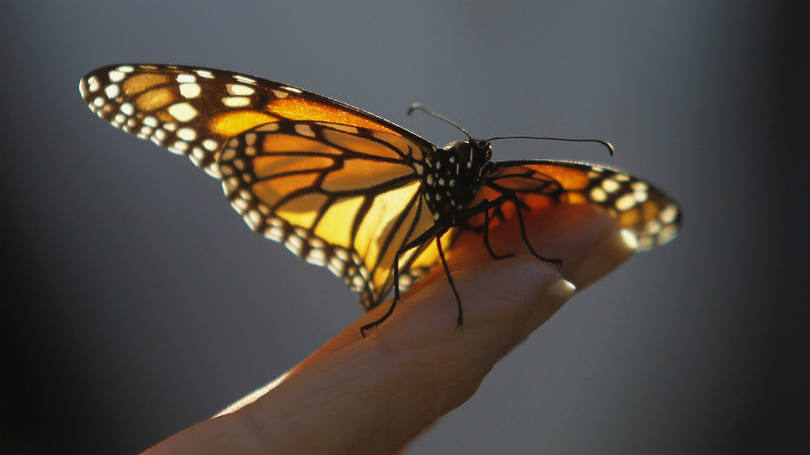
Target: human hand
(373,395)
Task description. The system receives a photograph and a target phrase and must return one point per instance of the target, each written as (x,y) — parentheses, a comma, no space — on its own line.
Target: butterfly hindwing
(637,205)
(338,196)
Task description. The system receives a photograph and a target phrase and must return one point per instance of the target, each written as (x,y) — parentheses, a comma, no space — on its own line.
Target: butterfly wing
(338,196)
(191,111)
(637,205)
(331,182)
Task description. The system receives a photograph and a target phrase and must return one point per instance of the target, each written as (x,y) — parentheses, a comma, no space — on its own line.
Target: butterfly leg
(460,317)
(423,238)
(492,253)
(519,211)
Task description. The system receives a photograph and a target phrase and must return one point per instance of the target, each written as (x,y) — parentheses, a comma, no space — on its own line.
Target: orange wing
(638,206)
(191,111)
(338,196)
(331,182)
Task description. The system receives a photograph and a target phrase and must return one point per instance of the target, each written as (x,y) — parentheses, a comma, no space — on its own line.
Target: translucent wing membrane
(636,205)
(191,111)
(338,196)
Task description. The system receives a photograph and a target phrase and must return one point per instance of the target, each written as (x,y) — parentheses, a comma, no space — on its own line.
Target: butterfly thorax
(452,176)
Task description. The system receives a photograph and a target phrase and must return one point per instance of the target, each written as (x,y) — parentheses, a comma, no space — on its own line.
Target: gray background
(138,303)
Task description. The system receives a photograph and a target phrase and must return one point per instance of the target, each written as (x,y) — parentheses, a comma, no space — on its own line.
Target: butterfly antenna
(420,107)
(603,142)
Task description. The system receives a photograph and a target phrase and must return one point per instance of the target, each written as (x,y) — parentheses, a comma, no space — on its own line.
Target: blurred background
(137,303)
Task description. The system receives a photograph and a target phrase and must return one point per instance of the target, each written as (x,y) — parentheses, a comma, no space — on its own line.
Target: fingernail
(562,289)
(554,297)
(603,257)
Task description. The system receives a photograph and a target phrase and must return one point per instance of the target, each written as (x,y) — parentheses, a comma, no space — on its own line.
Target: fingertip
(602,257)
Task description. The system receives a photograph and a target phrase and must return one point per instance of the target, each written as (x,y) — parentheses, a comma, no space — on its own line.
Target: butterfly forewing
(191,111)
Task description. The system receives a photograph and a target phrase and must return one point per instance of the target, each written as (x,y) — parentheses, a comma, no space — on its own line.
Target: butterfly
(344,189)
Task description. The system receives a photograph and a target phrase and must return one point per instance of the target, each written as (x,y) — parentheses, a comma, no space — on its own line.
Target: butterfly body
(344,189)
(452,177)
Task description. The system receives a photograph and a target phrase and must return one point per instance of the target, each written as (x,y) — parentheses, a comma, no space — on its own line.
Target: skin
(417,366)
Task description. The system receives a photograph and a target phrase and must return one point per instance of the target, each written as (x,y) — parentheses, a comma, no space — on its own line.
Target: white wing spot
(294,244)
(291,89)
(112,91)
(640,196)
(210,144)
(668,214)
(357,283)
(652,227)
(275,234)
(92,83)
(98,102)
(187,134)
(128,109)
(244,79)
(317,257)
(667,234)
(239,204)
(204,73)
(186,78)
(610,185)
(190,90)
(336,266)
(149,121)
(116,76)
(239,89)
(126,69)
(626,202)
(639,186)
(598,194)
(183,112)
(252,218)
(280,95)
(235,101)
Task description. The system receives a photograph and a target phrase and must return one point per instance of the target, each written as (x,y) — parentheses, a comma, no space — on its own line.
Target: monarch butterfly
(342,188)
